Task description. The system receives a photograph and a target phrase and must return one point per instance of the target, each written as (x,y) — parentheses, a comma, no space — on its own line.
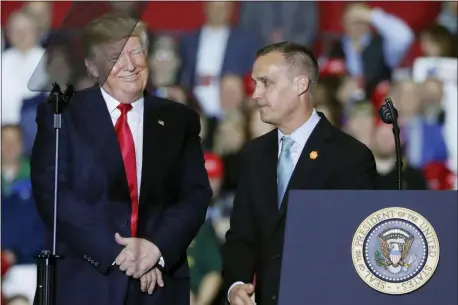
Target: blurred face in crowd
(22,32)
(407,100)
(42,13)
(164,62)
(232,92)
(218,13)
(11,145)
(277,91)
(429,46)
(354,25)
(431,92)
(349,90)
(360,125)
(124,66)
(383,142)
(230,134)
(257,126)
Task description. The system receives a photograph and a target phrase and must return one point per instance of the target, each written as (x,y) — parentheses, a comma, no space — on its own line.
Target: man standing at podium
(133,189)
(304,152)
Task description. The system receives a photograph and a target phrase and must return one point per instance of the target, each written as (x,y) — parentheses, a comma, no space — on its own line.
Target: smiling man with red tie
(133,189)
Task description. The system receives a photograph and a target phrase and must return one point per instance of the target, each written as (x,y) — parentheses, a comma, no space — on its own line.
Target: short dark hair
(296,55)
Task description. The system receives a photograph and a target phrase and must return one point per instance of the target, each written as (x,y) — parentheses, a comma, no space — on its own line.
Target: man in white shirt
(19,63)
(133,186)
(305,151)
(214,50)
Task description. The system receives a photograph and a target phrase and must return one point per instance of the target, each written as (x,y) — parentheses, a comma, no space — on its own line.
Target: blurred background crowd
(201,54)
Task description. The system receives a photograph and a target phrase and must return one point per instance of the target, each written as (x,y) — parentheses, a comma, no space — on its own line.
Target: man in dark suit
(133,189)
(285,75)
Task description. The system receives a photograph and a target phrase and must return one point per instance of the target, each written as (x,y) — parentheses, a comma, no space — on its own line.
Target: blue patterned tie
(284,168)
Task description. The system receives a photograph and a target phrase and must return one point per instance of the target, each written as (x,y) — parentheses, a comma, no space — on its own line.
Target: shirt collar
(112,103)
(301,135)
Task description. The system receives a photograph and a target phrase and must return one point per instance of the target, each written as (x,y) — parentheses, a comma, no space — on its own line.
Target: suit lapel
(155,143)
(268,170)
(98,129)
(307,166)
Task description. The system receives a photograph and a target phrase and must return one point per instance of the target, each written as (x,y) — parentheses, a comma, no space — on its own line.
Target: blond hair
(113,27)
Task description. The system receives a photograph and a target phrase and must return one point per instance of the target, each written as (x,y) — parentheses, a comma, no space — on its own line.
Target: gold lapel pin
(313,155)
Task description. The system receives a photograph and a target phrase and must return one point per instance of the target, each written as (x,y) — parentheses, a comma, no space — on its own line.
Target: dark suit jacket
(254,241)
(238,59)
(94,201)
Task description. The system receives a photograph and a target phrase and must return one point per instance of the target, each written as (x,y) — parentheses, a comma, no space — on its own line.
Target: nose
(129,64)
(256,94)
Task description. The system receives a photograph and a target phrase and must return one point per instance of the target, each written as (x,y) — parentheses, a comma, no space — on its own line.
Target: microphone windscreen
(385,114)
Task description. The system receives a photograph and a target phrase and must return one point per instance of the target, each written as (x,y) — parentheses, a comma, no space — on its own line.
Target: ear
(302,84)
(91,68)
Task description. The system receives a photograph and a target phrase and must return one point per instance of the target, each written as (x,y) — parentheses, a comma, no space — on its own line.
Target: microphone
(68,93)
(46,260)
(389,115)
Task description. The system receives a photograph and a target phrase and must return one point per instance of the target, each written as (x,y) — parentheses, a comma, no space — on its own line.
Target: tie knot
(287,143)
(124,108)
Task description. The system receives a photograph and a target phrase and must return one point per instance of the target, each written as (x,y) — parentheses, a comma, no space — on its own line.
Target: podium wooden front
(317,264)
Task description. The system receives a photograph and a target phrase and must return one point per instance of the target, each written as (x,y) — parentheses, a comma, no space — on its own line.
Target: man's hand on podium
(138,257)
(241,294)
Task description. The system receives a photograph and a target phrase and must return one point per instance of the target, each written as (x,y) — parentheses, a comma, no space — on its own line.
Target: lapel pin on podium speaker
(313,155)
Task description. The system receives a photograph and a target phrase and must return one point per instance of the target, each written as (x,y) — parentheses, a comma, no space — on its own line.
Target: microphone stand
(389,115)
(46,261)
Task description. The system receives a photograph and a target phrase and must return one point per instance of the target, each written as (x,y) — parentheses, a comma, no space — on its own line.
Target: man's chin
(267,120)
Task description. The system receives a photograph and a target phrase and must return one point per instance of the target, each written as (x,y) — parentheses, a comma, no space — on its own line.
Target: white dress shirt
(300,137)
(135,122)
(210,58)
(23,76)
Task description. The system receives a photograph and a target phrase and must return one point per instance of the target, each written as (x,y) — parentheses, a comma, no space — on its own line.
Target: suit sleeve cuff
(230,288)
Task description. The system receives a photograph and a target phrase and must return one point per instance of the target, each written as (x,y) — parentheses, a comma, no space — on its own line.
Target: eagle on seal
(396,251)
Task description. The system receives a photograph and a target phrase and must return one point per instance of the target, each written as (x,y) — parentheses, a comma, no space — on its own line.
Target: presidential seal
(395,250)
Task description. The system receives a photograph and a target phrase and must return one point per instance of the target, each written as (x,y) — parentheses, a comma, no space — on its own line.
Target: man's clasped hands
(138,259)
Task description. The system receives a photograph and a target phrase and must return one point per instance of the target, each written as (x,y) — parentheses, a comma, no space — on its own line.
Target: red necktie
(126,141)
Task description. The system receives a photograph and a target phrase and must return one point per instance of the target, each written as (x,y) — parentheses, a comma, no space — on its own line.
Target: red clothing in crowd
(4,269)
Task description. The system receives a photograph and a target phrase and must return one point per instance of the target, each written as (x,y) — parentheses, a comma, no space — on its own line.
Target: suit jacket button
(96,264)
(274,298)
(85,256)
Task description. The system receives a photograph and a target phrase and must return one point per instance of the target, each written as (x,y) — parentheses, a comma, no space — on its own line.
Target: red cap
(332,67)
(213,165)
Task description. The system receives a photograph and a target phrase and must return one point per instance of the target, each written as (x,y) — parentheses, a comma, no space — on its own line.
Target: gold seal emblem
(395,250)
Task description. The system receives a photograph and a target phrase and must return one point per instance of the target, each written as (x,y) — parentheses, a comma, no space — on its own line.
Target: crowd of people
(209,70)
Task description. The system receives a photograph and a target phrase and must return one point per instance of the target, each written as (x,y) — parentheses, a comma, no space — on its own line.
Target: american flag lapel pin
(160,122)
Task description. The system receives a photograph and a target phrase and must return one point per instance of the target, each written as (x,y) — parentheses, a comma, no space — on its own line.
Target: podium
(370,247)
